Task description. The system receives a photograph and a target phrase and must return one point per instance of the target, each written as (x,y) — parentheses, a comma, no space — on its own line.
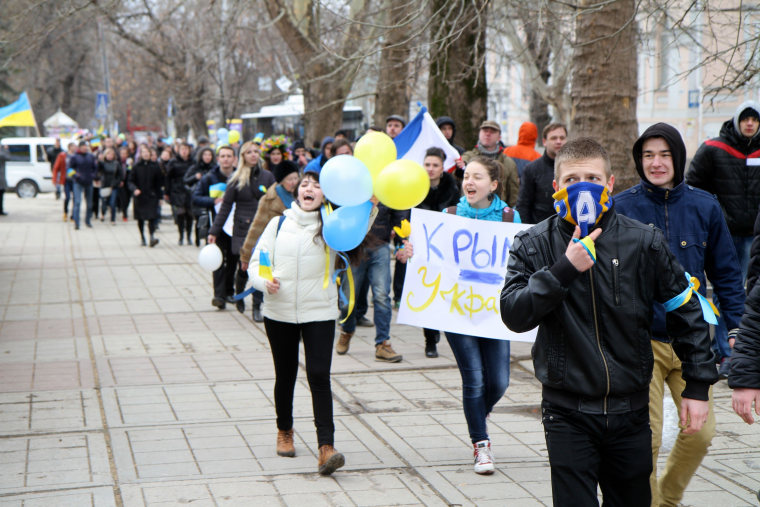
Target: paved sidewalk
(120,385)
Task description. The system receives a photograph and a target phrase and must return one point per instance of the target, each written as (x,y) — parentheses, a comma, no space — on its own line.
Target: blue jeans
(110,202)
(78,188)
(376,269)
(484,366)
(720,343)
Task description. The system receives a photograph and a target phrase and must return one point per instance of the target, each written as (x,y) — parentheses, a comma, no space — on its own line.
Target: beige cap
(490,124)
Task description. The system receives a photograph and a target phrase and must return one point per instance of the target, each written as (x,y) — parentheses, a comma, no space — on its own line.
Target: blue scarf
(492,212)
(582,204)
(287,197)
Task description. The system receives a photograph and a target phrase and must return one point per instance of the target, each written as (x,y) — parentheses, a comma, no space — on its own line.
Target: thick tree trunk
(604,85)
(392,96)
(323,109)
(457,84)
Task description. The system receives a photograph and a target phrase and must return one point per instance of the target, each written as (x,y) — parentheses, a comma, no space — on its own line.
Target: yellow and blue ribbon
(709,311)
(344,301)
(588,244)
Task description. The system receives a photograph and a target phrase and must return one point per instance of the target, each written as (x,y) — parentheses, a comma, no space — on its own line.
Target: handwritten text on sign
(454,281)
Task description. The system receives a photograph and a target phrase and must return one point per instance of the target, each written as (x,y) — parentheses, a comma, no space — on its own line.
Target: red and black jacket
(724,166)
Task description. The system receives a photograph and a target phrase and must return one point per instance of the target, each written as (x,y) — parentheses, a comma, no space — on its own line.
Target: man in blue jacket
(693,224)
(85,167)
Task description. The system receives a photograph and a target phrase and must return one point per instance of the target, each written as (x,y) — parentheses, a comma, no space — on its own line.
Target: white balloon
(210,257)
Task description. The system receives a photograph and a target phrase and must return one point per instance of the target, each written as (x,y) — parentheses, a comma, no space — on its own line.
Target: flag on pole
(265,266)
(422,133)
(18,114)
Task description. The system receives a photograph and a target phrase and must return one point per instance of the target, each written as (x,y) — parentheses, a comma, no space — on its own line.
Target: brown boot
(329,460)
(384,352)
(343,342)
(285,445)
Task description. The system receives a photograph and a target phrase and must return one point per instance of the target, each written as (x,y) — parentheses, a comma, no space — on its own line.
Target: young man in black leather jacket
(592,301)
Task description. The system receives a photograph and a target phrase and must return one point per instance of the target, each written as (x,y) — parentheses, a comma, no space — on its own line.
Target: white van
(30,171)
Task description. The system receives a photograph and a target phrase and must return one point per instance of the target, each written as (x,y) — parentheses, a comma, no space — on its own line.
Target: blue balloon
(346,181)
(222,136)
(345,228)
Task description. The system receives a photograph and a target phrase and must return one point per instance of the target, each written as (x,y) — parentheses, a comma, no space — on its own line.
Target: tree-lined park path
(120,385)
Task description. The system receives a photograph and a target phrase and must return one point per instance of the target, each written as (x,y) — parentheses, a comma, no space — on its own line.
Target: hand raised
(577,254)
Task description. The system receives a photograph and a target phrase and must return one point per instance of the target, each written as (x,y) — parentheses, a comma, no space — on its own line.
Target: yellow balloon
(402,184)
(234,136)
(376,150)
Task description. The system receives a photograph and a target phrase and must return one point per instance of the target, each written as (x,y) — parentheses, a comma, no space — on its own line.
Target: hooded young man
(696,232)
(588,278)
(729,167)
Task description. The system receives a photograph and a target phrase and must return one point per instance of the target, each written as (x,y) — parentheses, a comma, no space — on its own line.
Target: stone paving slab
(121,385)
(79,497)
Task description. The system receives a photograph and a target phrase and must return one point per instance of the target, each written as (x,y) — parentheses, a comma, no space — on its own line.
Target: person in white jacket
(298,306)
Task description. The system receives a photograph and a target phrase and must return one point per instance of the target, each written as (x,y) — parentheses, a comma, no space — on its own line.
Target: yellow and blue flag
(265,266)
(217,190)
(18,114)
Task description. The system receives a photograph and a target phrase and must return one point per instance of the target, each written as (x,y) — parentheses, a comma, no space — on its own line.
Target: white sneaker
(483,457)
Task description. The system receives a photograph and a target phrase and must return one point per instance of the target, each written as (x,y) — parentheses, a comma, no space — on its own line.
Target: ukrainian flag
(265,266)
(17,114)
(217,190)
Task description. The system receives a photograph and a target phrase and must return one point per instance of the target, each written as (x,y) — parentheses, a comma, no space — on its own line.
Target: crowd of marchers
(591,266)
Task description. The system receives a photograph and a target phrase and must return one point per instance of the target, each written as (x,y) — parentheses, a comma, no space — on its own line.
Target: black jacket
(593,344)
(246,202)
(146,176)
(720,167)
(444,195)
(200,196)
(745,358)
(535,202)
(175,187)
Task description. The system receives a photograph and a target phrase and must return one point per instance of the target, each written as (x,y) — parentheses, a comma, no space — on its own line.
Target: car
(29,171)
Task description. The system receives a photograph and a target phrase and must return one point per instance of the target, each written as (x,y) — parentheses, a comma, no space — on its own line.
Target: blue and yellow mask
(582,204)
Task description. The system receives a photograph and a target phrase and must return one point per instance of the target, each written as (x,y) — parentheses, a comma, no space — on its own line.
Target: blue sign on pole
(693,99)
(101,106)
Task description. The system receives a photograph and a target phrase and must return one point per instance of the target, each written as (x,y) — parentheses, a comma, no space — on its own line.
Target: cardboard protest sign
(453,282)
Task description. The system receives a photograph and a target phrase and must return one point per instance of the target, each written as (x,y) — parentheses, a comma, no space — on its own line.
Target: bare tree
(395,66)
(457,82)
(604,82)
(327,49)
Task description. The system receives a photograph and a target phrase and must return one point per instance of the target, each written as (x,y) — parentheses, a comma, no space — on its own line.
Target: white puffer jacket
(298,262)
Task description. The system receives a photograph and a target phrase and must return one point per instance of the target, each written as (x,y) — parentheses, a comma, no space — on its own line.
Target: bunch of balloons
(350,182)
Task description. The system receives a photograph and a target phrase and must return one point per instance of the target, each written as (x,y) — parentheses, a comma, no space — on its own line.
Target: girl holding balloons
(483,362)
(289,265)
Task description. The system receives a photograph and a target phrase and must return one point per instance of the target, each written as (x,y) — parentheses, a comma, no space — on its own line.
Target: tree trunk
(457,84)
(392,96)
(323,104)
(604,84)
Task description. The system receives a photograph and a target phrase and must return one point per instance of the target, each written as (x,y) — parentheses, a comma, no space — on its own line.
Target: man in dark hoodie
(449,130)
(697,234)
(729,167)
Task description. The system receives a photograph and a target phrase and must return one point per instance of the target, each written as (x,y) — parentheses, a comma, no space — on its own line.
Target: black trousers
(613,451)
(224,277)
(317,343)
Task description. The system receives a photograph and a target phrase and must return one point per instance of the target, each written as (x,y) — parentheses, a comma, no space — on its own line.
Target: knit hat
(284,168)
(677,149)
